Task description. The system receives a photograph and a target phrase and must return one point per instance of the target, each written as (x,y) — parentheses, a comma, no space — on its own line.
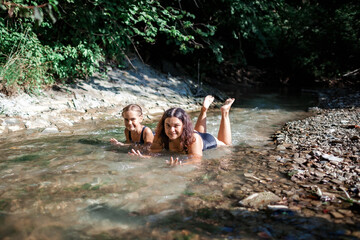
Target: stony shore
(58,110)
(325,149)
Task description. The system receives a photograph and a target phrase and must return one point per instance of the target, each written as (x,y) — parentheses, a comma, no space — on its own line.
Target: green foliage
(79,61)
(64,40)
(60,40)
(320,39)
(22,61)
(27,64)
(301,39)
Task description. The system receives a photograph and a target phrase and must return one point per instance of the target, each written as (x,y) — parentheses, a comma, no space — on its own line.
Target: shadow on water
(286,99)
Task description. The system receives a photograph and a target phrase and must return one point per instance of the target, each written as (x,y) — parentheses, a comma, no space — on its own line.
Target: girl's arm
(115,142)
(148,136)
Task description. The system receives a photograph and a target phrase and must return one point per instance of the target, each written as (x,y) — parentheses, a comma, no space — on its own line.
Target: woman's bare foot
(227,105)
(207,101)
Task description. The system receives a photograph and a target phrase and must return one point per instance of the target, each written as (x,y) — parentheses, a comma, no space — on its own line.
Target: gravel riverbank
(325,148)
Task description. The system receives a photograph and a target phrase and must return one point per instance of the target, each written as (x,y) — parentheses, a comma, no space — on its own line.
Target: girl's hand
(138,153)
(173,161)
(115,142)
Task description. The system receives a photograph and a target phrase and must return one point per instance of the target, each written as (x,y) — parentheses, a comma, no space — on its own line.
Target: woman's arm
(191,160)
(195,149)
(155,147)
(194,153)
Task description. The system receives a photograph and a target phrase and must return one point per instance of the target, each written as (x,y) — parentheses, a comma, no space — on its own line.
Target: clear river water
(79,187)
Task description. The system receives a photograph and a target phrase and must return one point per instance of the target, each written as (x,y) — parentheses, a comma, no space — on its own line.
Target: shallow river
(80,187)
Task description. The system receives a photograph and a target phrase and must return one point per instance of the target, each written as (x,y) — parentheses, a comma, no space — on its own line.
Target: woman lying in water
(175,133)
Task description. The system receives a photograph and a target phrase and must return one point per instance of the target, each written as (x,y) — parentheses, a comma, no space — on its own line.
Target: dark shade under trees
(58,41)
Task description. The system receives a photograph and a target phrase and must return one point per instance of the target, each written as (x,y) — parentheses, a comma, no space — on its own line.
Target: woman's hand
(115,142)
(138,153)
(173,161)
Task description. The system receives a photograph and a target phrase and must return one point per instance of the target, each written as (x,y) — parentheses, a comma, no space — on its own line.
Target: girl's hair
(132,107)
(186,137)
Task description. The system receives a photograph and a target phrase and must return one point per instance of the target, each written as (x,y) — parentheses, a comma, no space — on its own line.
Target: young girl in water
(134,131)
(175,132)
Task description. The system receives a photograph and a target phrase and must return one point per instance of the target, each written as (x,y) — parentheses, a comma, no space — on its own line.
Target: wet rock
(336,215)
(277,207)
(260,200)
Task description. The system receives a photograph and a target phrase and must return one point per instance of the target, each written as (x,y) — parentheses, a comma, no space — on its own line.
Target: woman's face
(173,127)
(132,120)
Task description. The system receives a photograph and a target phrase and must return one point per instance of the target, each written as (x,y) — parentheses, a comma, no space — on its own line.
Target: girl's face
(173,127)
(132,120)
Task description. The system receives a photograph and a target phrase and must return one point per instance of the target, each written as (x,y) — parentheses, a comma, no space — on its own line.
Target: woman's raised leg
(200,125)
(224,134)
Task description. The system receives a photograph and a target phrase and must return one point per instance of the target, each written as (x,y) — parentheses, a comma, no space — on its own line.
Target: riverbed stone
(336,215)
(14,128)
(50,130)
(260,200)
(3,129)
(37,123)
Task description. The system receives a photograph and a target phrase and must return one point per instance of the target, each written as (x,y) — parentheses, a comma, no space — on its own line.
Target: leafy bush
(23,62)
(27,64)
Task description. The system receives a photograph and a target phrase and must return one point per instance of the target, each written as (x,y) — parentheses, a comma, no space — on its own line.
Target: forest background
(274,42)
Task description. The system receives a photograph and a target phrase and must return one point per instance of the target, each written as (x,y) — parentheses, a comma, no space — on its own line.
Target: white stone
(332,158)
(15,128)
(38,123)
(50,130)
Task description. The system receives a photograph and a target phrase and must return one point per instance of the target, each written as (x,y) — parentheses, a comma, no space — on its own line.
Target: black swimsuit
(141,136)
(209,140)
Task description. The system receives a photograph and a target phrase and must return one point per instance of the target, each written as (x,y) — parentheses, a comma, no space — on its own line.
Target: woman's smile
(173,127)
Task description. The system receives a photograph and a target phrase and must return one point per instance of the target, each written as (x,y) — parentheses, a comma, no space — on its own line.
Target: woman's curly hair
(186,138)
